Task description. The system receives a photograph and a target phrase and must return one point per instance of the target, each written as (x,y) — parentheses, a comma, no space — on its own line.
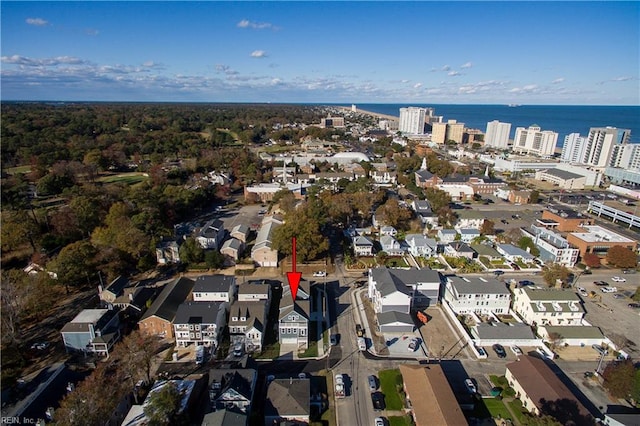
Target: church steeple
(424,164)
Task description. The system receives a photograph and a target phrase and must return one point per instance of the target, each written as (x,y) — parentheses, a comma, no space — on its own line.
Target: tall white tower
(412,120)
(497,134)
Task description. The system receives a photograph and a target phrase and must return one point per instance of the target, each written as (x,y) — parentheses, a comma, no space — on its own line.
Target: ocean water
(563,119)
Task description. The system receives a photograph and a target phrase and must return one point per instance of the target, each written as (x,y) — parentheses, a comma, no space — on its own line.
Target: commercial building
(562,178)
(596,239)
(497,134)
(563,219)
(534,140)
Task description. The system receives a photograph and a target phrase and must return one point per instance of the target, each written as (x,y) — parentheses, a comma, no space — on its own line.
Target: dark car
(634,305)
(498,273)
(601,283)
(377,398)
(526,282)
(499,350)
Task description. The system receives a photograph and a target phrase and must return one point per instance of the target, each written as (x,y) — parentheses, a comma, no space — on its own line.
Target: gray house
(211,234)
(92,330)
(247,324)
(232,389)
(395,322)
(294,317)
(214,288)
(288,402)
(200,323)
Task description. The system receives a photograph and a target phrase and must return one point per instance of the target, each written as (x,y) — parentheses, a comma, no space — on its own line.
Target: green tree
(73,263)
(622,257)
(120,232)
(163,405)
(527,243)
(392,214)
(310,243)
(555,272)
(214,259)
(619,378)
(534,197)
(190,251)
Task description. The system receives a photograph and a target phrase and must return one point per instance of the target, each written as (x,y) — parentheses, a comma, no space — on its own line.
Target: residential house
(469,219)
(459,249)
(395,322)
(247,324)
(115,289)
(424,212)
(384,178)
(467,235)
(401,289)
(429,396)
(487,252)
(224,417)
(92,330)
(419,245)
(294,316)
(390,245)
(550,306)
(541,391)
(218,178)
(232,249)
(214,288)
(211,234)
(263,253)
(506,334)
(288,402)
(189,399)
(129,297)
(255,291)
(240,232)
(200,323)
(519,197)
(553,247)
(388,230)
(447,235)
(167,252)
(232,389)
(158,319)
(513,253)
(362,246)
(561,335)
(480,295)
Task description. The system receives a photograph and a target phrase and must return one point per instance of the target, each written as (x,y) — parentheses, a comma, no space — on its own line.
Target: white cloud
(466,65)
(558,80)
(417,85)
(245,23)
(258,54)
(38,22)
(625,78)
(404,81)
(529,88)
(453,73)
(41,62)
(446,68)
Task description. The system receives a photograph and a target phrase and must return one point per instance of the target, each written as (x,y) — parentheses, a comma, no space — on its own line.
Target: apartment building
(497,134)
(477,294)
(551,306)
(534,140)
(573,149)
(451,130)
(600,145)
(553,247)
(412,120)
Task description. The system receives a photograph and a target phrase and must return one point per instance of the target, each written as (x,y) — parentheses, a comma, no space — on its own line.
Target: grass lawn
(270,352)
(19,169)
(400,420)
(128,178)
(516,407)
(497,408)
(390,380)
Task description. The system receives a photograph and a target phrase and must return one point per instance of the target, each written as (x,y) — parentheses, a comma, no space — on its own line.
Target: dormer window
(243,318)
(234,319)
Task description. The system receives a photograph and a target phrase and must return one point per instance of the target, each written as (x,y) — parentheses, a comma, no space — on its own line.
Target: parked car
(628,271)
(499,350)
(379,421)
(320,274)
(413,344)
(618,280)
(333,339)
(583,292)
(609,289)
(40,346)
(377,398)
(339,379)
(516,350)
(525,283)
(618,296)
(373,383)
(498,273)
(471,387)
(634,305)
(481,351)
(601,283)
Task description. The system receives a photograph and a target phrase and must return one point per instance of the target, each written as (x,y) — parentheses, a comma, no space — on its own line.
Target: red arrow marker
(294,277)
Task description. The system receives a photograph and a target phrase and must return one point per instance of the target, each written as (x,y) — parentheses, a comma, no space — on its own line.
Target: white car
(339,379)
(516,350)
(320,274)
(609,289)
(470,386)
(379,421)
(583,292)
(618,280)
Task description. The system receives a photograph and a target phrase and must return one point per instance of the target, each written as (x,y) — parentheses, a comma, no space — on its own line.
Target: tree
(636,295)
(136,353)
(487,227)
(622,257)
(592,260)
(214,259)
(527,243)
(619,377)
(163,405)
(534,197)
(73,262)
(190,251)
(121,233)
(392,214)
(305,226)
(555,272)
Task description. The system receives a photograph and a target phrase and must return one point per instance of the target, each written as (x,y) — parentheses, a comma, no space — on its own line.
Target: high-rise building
(573,149)
(535,141)
(438,132)
(443,132)
(412,120)
(626,156)
(600,144)
(497,134)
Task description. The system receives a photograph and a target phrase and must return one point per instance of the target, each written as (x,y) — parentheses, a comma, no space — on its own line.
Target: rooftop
(477,285)
(595,233)
(214,283)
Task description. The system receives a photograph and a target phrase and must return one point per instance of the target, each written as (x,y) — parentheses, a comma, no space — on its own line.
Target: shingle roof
(432,400)
(562,174)
(240,380)
(575,332)
(540,382)
(288,398)
(214,283)
(199,312)
(391,317)
(172,295)
(474,285)
(502,331)
(225,417)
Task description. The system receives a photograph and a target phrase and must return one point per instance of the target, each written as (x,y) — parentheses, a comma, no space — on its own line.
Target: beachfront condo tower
(535,141)
(497,134)
(412,120)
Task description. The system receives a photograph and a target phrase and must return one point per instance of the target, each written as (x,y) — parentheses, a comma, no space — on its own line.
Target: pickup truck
(362,345)
(359,331)
(339,385)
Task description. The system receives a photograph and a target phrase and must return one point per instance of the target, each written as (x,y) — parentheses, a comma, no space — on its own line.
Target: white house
(263,253)
(419,245)
(424,212)
(386,293)
(390,245)
(447,235)
(469,219)
(553,247)
(214,288)
(421,285)
(468,234)
(480,295)
(388,230)
(211,234)
(362,246)
(550,306)
(513,253)
(459,249)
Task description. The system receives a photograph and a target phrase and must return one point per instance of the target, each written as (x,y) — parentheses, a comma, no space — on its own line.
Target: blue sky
(362,52)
